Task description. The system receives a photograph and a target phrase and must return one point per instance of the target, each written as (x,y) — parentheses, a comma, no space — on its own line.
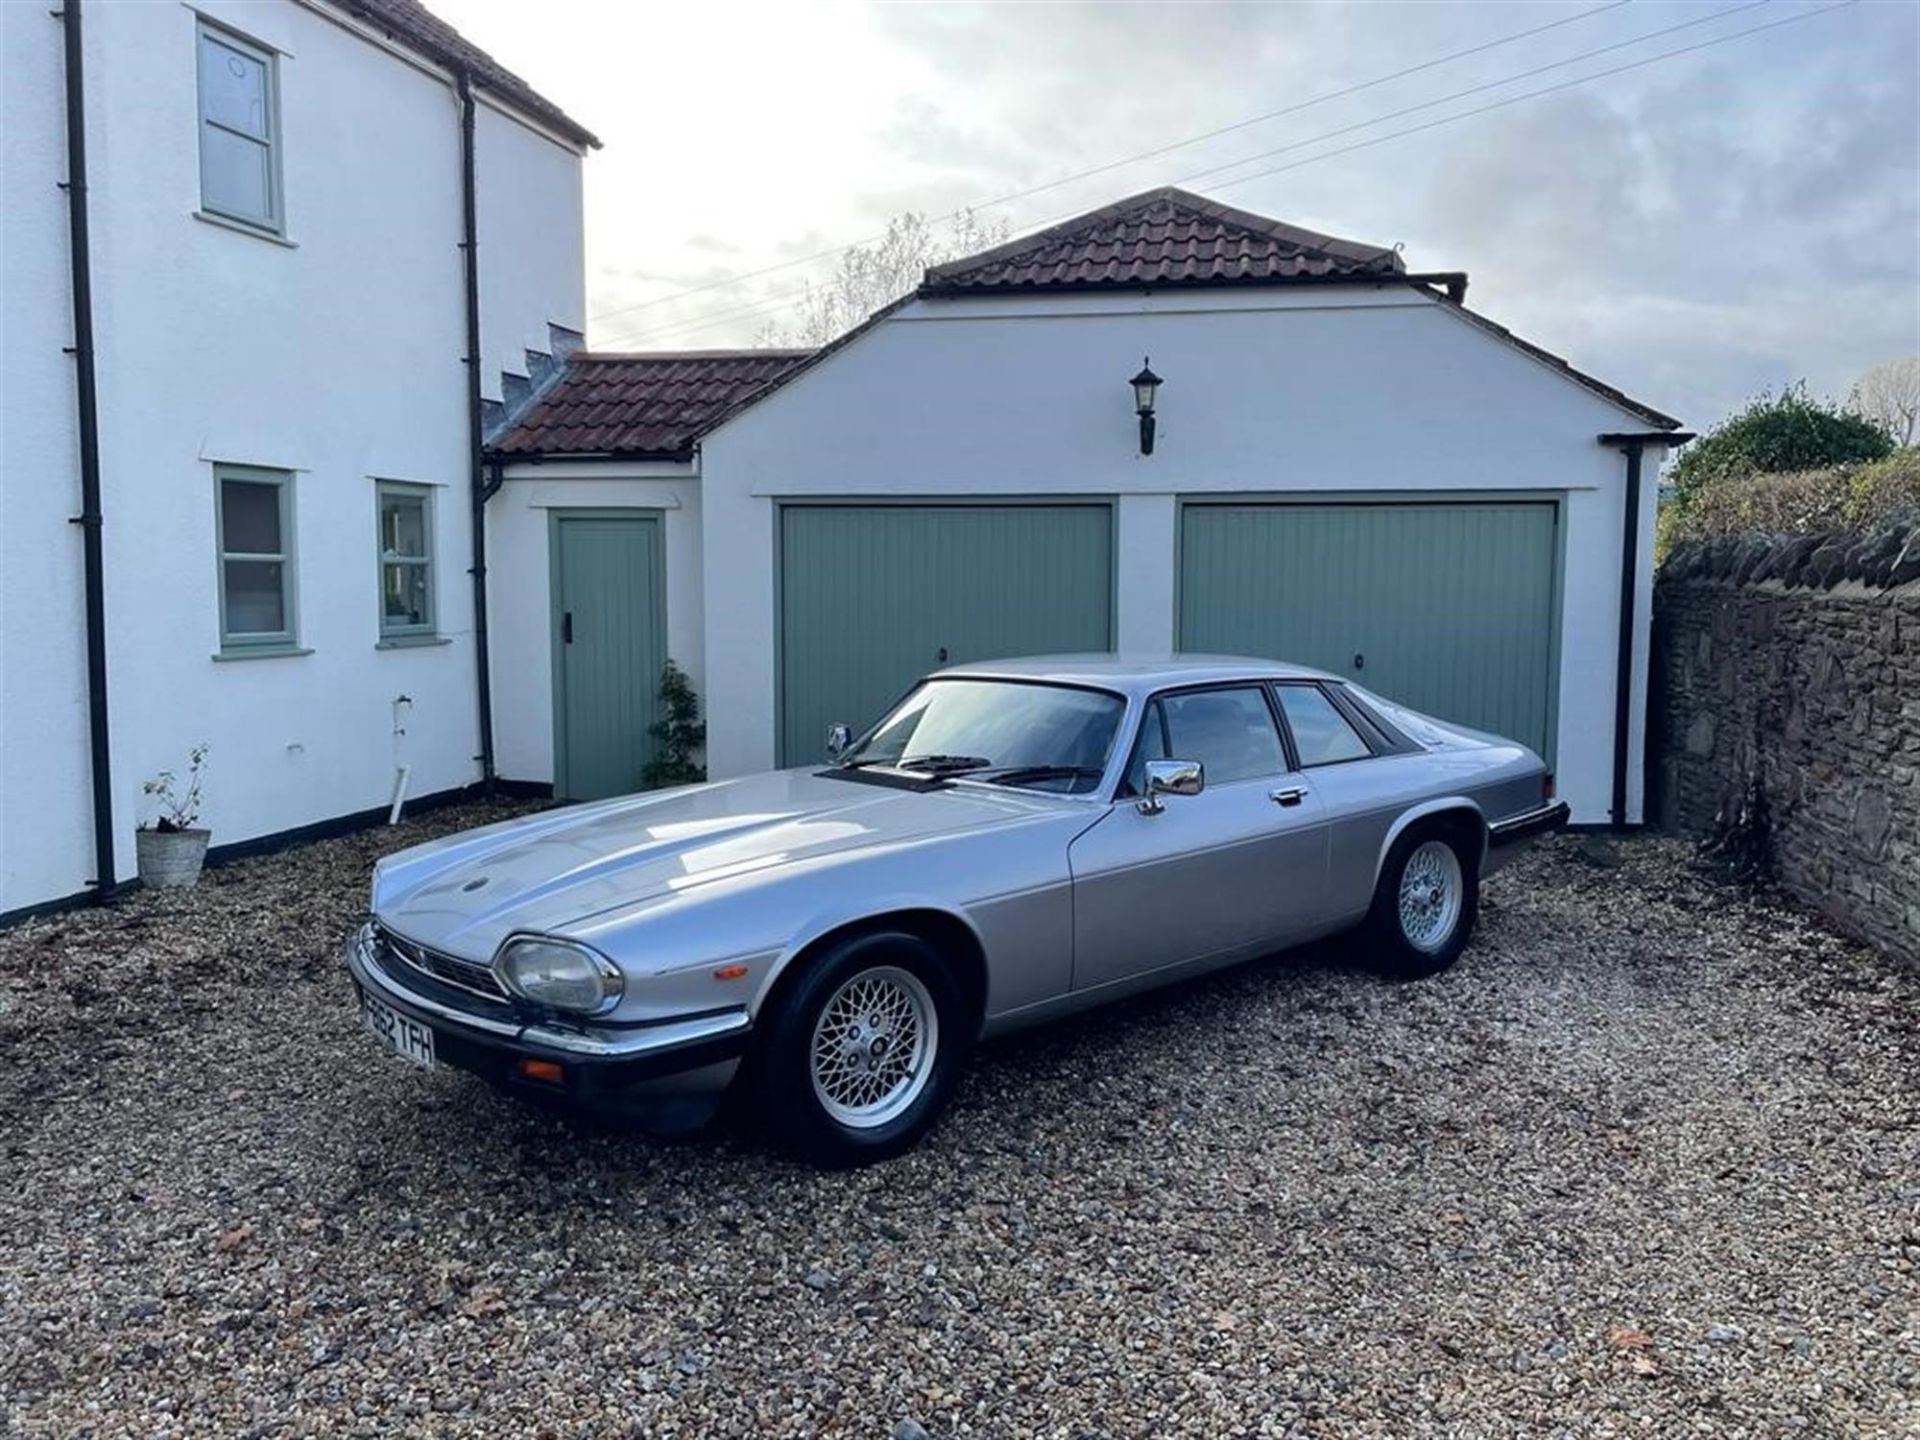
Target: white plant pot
(170,859)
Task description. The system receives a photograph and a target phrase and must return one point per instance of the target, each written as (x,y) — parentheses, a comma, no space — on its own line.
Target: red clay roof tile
(1165,237)
(643,406)
(658,406)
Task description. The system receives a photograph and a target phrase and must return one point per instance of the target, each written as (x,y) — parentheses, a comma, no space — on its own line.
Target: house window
(406,561)
(239,130)
(256,558)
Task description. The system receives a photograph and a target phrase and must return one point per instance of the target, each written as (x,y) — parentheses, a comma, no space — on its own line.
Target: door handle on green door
(1359,661)
(566,628)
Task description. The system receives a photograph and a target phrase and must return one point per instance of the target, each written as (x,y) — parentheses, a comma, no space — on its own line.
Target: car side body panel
(1223,872)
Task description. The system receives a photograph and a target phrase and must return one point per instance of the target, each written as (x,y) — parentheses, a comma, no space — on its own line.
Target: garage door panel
(870,595)
(1446,607)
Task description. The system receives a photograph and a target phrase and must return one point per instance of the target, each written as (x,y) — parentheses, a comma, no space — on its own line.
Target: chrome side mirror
(839,740)
(1171,777)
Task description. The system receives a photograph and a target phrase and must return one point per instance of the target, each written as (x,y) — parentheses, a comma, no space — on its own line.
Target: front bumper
(669,1074)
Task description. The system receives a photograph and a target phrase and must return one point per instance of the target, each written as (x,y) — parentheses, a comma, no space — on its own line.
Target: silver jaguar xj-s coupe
(1011,842)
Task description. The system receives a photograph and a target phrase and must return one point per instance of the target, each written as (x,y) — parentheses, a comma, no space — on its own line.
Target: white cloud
(1691,231)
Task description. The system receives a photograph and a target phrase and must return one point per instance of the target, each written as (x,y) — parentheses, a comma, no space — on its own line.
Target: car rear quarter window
(1321,734)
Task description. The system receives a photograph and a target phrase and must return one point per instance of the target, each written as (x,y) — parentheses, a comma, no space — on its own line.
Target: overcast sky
(1692,230)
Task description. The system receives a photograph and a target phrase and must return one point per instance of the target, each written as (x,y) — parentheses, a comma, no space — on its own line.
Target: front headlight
(560,974)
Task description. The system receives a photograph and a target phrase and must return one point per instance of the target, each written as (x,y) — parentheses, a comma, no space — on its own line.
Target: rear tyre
(862,1054)
(1426,903)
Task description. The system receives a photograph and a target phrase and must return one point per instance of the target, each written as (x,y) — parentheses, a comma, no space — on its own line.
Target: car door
(1359,780)
(1236,869)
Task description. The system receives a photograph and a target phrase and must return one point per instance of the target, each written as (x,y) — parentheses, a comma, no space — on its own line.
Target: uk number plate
(406,1037)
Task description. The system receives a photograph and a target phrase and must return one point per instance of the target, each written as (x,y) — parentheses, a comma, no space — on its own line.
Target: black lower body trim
(1528,824)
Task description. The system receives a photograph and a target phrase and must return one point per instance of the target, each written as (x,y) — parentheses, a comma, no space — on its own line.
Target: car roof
(1134,674)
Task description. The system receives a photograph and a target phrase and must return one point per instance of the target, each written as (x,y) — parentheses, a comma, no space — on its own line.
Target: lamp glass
(1144,385)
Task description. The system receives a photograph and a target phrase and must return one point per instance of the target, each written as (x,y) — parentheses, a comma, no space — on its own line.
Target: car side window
(1230,732)
(1321,733)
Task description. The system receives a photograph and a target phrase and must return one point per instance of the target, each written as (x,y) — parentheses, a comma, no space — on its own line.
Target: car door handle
(1288,795)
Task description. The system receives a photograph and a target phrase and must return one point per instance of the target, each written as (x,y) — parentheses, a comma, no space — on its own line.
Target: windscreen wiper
(943,764)
(1027,774)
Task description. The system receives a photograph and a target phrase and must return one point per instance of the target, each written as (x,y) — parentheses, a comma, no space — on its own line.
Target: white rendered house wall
(331,353)
(1330,391)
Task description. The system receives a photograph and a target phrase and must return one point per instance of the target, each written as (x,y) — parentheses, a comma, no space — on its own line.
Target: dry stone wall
(1788,671)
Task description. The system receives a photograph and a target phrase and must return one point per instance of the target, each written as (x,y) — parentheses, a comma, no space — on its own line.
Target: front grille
(468,975)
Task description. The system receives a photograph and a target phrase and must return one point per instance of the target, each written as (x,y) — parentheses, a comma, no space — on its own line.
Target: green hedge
(1838,499)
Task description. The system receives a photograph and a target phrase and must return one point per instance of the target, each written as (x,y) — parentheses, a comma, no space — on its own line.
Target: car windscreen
(1037,736)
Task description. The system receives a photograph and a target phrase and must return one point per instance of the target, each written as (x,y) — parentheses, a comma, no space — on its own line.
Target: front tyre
(863,1052)
(1426,903)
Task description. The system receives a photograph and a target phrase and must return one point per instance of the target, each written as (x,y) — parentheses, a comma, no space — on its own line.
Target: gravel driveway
(1647,1162)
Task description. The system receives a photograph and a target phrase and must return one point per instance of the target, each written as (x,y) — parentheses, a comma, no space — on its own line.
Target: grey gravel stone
(1288,1200)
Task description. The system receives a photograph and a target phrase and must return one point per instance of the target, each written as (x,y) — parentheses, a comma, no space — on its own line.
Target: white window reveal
(256,559)
(239,130)
(406,561)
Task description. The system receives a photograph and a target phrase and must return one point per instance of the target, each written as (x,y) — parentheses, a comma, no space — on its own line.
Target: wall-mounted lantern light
(1145,385)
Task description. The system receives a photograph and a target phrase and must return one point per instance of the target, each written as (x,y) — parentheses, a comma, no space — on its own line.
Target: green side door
(1449,608)
(609,646)
(874,596)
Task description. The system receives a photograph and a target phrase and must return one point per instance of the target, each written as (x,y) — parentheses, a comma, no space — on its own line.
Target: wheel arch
(948,931)
(1456,812)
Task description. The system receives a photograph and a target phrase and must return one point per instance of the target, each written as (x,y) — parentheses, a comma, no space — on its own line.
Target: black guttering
(477,487)
(1634,445)
(89,519)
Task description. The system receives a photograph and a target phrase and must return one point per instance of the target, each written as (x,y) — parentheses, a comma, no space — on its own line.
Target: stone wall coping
(1884,559)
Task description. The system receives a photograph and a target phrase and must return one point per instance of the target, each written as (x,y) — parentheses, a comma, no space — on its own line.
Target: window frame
(1151,713)
(1362,732)
(1390,739)
(399,634)
(275,225)
(251,642)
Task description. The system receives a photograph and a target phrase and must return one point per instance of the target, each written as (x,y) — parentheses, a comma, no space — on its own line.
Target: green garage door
(1448,608)
(874,596)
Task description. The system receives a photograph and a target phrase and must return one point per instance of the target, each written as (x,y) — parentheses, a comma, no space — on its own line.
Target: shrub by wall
(1839,499)
(1786,714)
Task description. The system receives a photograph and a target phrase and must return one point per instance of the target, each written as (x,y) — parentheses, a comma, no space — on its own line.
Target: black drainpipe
(477,487)
(89,519)
(1635,447)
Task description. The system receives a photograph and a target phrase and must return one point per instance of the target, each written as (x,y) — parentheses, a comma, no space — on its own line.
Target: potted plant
(172,849)
(678,734)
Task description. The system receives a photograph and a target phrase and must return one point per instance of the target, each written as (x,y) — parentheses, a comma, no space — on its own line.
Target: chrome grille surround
(467,975)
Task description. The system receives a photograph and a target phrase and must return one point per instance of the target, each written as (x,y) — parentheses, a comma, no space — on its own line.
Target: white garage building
(1348,468)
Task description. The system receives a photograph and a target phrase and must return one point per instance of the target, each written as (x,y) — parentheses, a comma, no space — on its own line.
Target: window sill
(261,652)
(240,227)
(411,642)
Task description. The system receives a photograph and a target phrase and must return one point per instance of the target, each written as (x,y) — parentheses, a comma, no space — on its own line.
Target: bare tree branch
(870,276)
(1889,396)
